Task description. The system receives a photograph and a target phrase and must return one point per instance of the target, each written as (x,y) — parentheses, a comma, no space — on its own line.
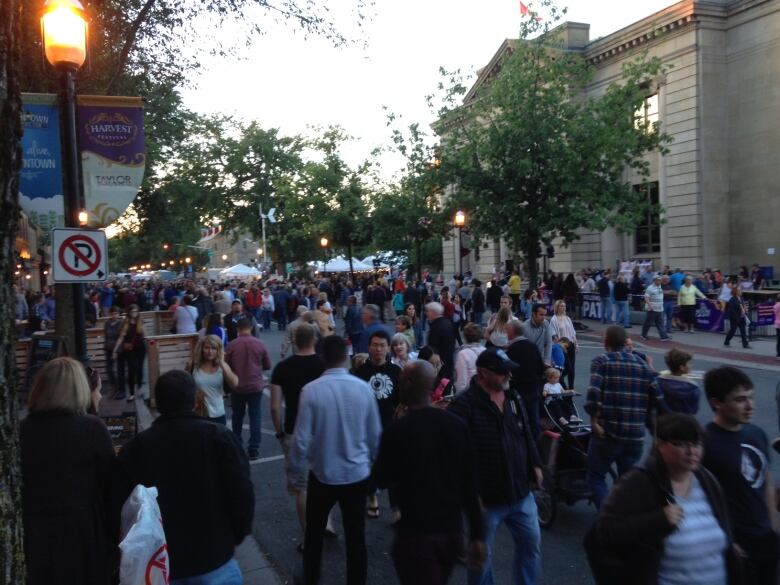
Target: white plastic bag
(143,546)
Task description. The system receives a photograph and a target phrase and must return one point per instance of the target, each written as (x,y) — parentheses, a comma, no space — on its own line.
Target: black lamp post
(460,221)
(324,244)
(64,32)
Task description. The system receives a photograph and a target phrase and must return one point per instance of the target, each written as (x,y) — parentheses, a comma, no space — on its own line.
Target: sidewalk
(700,343)
(255,567)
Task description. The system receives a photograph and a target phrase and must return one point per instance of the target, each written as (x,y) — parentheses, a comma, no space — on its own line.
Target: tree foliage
(532,158)
(411,216)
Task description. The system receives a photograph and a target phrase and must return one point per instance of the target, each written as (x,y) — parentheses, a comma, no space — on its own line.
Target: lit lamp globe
(460,219)
(64,33)
(324,242)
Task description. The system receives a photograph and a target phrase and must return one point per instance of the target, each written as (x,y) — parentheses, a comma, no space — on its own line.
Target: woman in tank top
(212,374)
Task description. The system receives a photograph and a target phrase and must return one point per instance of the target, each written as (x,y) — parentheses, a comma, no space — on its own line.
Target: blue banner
(40,182)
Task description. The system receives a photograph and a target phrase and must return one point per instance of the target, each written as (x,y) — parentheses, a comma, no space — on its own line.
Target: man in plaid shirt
(620,395)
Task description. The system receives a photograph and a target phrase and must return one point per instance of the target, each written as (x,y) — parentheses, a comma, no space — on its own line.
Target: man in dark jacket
(281,299)
(528,377)
(507,463)
(428,458)
(477,302)
(493,297)
(231,320)
(201,474)
(204,304)
(441,338)
(411,295)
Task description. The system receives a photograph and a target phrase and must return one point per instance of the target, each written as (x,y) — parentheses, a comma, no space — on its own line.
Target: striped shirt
(620,393)
(693,554)
(563,327)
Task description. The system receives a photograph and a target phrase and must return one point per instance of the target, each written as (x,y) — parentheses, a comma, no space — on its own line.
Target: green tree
(532,159)
(411,216)
(343,192)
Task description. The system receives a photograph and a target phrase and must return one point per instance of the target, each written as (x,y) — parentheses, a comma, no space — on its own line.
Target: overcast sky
(289,82)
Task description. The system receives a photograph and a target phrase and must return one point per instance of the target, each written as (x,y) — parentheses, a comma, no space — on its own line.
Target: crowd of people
(431,391)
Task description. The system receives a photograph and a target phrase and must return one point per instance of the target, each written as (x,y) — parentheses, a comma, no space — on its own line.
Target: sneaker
(330,533)
(130,397)
(667,338)
(253,455)
(575,419)
(726,344)
(747,347)
(643,338)
(563,421)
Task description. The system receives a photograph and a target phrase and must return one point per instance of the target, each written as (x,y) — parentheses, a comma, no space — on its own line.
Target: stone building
(719,102)
(227,249)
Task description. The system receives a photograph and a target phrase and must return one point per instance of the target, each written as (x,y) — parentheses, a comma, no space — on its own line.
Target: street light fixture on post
(64,34)
(460,221)
(324,245)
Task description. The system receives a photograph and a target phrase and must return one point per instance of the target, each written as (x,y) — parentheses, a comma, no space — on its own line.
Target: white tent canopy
(341,264)
(369,260)
(238,270)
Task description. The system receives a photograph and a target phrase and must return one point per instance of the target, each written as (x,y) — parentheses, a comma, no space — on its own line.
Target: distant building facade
(226,248)
(719,103)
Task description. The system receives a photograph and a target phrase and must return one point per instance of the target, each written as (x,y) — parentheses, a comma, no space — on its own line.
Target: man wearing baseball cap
(654,305)
(507,464)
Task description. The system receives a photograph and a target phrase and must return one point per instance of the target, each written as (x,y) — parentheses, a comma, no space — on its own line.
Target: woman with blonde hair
(129,353)
(496,331)
(562,327)
(67,462)
(211,374)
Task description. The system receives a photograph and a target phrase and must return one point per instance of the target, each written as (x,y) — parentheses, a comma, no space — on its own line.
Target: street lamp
(324,244)
(224,257)
(460,221)
(166,246)
(64,35)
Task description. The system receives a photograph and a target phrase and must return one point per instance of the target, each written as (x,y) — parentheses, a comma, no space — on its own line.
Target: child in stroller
(558,401)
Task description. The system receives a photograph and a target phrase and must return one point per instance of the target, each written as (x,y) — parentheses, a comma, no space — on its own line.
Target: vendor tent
(238,271)
(341,264)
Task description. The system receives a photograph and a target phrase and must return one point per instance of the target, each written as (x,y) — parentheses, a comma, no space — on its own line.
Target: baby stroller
(563,447)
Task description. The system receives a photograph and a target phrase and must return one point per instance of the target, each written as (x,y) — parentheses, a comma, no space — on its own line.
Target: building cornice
(642,32)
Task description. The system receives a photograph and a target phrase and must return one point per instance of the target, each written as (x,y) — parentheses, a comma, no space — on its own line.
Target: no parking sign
(79,255)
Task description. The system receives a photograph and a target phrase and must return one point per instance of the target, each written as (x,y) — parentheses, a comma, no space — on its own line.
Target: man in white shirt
(654,306)
(337,435)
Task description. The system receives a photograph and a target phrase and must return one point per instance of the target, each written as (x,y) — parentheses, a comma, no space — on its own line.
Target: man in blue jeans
(621,392)
(506,461)
(248,357)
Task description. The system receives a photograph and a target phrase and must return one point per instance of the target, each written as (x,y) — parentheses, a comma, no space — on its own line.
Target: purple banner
(708,316)
(111,141)
(765,314)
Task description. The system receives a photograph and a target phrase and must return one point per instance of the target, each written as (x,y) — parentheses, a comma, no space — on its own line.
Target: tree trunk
(418,257)
(349,253)
(533,269)
(11,540)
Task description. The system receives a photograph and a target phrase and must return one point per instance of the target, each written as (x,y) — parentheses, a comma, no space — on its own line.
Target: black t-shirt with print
(740,460)
(292,375)
(384,382)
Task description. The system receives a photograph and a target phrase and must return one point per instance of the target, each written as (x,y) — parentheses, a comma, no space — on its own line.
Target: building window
(647,239)
(476,253)
(647,112)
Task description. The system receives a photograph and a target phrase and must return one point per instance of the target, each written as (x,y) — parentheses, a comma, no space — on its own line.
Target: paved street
(276,528)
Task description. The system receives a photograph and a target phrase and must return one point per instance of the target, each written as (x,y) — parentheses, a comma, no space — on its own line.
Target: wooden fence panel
(168,352)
